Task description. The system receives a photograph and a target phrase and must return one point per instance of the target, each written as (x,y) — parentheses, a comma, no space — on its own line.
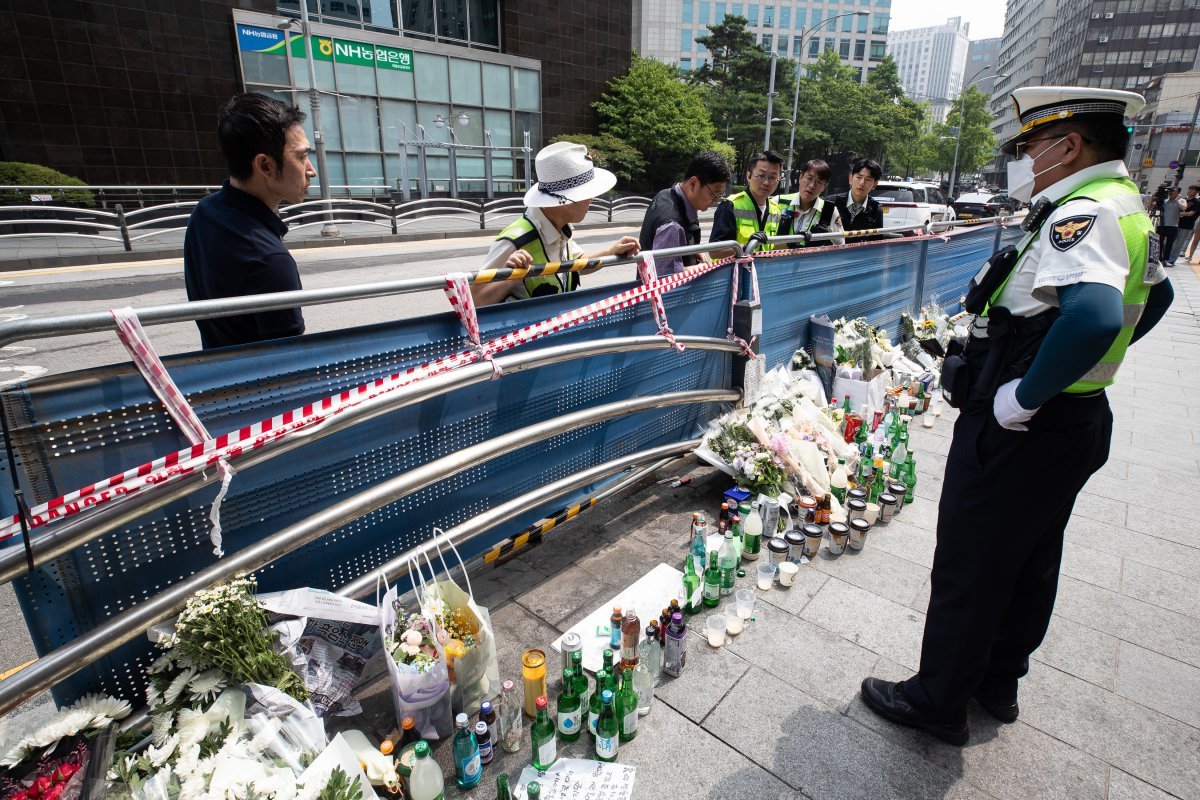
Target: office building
(1161,132)
(114,94)
(981,54)
(931,62)
(667,30)
(1121,44)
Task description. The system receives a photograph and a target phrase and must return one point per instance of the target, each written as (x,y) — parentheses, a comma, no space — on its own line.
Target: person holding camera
(802,211)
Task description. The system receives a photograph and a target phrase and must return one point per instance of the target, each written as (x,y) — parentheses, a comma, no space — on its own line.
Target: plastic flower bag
(420,689)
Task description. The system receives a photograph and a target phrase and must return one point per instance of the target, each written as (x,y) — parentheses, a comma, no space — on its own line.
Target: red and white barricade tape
(458,291)
(230,446)
(649,276)
(734,286)
(141,352)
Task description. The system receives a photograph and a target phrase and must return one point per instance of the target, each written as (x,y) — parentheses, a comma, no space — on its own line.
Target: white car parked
(912,204)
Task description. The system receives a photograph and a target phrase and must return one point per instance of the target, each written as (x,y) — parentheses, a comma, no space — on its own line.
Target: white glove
(1010,413)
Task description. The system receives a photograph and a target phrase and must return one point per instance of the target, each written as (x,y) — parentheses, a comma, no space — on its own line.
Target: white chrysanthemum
(65,723)
(159,755)
(104,709)
(18,753)
(161,727)
(162,663)
(206,685)
(178,685)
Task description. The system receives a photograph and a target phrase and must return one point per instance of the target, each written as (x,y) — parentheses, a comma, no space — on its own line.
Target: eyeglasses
(1017,147)
(812,180)
(763,177)
(715,195)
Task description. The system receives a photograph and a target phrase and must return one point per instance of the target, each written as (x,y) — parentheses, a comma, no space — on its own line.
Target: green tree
(736,84)
(612,154)
(976,142)
(651,109)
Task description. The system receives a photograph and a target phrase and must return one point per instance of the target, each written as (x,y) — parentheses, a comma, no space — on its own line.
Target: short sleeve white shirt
(1081,242)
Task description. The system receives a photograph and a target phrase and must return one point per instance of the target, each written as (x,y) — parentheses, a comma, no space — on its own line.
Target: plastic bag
(425,696)
(474,675)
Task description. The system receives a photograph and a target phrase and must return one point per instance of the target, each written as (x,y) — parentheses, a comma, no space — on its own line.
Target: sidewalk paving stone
(1161,683)
(875,570)
(1164,589)
(1131,545)
(1092,566)
(1122,786)
(878,624)
(1080,651)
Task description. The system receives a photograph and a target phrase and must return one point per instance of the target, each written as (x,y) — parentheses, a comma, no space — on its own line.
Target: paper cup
(787,573)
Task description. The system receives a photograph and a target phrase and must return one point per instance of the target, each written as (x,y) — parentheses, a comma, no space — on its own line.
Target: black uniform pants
(1006,499)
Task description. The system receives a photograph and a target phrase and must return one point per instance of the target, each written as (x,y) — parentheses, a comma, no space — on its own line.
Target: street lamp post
(329,229)
(800,63)
(962,105)
(770,105)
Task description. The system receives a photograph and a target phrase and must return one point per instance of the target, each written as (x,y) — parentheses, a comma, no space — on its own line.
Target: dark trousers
(1006,499)
(1167,234)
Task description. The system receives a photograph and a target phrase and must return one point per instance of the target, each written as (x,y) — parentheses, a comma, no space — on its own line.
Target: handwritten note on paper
(581,779)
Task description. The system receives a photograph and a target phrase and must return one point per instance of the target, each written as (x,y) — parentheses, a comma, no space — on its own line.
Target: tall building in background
(931,62)
(114,94)
(667,30)
(1121,44)
(982,53)
(1028,26)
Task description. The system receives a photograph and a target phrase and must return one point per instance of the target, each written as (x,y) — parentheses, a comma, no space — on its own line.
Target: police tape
(230,446)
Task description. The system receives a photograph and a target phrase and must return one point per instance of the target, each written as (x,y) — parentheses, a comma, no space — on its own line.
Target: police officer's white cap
(1038,106)
(566,175)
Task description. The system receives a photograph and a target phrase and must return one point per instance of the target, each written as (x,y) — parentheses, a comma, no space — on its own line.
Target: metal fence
(460,450)
(158,214)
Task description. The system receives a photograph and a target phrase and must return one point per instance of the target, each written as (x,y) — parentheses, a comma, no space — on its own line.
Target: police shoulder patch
(1066,233)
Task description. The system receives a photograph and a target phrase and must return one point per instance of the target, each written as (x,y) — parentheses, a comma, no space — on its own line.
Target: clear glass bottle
(649,669)
(675,648)
(510,718)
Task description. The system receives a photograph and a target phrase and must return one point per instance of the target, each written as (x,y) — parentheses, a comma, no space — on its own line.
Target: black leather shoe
(1005,709)
(887,700)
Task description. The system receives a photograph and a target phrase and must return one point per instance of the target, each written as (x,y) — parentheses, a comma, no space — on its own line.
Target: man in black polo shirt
(234,245)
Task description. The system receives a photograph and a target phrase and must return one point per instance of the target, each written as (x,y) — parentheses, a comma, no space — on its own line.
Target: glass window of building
(844,48)
(685,64)
(396,83)
(862,23)
(357,78)
(497,85)
(687,14)
(418,17)
(719,13)
(781,45)
(265,67)
(797,46)
(365,169)
(814,46)
(768,20)
(736,10)
(752,13)
(466,87)
(686,37)
(703,9)
(528,90)
(485,22)
(452,20)
(435,76)
(360,122)
(881,24)
(878,51)
(830,44)
(847,24)
(860,49)
(801,18)
(785,16)
(499,123)
(767,42)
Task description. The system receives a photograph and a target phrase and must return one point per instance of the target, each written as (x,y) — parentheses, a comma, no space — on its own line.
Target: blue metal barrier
(73,429)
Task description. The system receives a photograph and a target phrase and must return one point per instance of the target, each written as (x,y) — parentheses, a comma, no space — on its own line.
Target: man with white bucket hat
(567,182)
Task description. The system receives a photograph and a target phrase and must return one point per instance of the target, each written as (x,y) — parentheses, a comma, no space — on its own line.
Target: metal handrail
(498,515)
(60,539)
(103,639)
(90,322)
(64,209)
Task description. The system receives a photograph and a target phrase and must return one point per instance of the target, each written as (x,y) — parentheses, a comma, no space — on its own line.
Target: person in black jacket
(671,220)
(857,209)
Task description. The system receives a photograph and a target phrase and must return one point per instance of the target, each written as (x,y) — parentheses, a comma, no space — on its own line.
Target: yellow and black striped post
(535,270)
(532,535)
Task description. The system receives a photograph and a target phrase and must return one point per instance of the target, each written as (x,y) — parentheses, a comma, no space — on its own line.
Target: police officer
(567,183)
(753,211)
(803,210)
(1036,423)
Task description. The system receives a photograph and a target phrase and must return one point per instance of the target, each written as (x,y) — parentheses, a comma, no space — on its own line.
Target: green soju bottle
(691,587)
(608,733)
(581,687)
(877,488)
(533,791)
(594,703)
(569,716)
(712,582)
(545,746)
(909,476)
(502,790)
(627,707)
(468,769)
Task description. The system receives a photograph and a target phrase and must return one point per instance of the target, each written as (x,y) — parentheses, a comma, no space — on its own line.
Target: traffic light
(1129,129)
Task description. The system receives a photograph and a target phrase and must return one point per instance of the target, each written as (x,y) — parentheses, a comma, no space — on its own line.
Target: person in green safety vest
(802,211)
(567,183)
(752,212)
(1055,322)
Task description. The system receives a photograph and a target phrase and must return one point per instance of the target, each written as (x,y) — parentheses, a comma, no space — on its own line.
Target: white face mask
(1021,176)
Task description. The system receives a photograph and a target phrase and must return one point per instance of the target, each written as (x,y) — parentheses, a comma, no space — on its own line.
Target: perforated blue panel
(951,264)
(73,429)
